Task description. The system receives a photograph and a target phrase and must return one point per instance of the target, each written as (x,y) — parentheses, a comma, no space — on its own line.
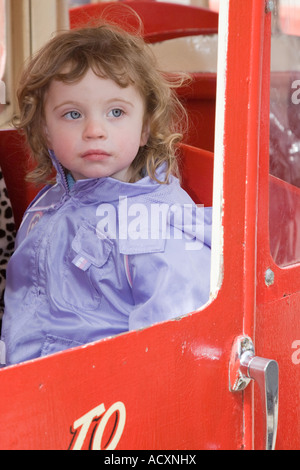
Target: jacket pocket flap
(91,247)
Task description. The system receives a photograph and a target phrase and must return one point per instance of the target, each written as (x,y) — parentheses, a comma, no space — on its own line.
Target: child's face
(95,127)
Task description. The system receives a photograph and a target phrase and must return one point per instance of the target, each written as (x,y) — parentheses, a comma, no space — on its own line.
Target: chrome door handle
(243,367)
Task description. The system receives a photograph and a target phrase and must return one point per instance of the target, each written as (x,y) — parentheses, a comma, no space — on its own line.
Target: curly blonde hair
(111,53)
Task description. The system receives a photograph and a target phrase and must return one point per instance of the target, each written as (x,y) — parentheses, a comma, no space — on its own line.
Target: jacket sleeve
(171,277)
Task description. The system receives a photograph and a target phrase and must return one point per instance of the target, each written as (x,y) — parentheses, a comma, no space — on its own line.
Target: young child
(115,244)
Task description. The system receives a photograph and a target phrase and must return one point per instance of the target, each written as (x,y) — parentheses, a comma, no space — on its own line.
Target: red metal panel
(199,100)
(161,20)
(167,377)
(247,31)
(196,168)
(278,307)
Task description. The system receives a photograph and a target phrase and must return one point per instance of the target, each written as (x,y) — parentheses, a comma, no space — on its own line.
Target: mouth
(95,155)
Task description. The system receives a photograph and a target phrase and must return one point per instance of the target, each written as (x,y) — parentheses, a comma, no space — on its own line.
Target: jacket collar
(108,189)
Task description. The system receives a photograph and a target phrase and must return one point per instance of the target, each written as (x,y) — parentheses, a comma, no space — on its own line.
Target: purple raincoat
(101,258)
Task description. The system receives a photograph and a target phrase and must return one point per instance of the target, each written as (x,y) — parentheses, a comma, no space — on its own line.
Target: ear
(145,133)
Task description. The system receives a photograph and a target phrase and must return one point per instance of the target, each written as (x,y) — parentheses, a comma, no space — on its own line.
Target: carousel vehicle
(227,375)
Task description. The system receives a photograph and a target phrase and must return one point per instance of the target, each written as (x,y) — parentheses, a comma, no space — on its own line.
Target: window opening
(284,218)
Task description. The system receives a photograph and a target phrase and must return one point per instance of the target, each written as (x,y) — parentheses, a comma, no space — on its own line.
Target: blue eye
(72,115)
(116,112)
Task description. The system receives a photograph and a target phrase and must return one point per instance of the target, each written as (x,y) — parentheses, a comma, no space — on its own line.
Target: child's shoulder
(171,193)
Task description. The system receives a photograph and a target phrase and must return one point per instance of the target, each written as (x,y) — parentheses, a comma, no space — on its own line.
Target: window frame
(29,24)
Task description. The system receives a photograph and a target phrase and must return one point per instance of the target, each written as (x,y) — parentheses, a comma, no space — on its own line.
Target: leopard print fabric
(7,236)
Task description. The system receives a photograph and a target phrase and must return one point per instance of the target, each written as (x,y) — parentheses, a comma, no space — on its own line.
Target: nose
(94,129)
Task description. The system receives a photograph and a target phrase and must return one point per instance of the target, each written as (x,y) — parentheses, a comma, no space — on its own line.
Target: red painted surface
(160,20)
(164,376)
(199,100)
(166,387)
(277,306)
(197,171)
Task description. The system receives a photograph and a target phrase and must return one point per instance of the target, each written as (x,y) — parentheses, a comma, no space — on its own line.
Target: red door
(278,257)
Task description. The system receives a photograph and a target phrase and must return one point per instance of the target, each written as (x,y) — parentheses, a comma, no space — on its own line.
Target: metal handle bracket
(245,366)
